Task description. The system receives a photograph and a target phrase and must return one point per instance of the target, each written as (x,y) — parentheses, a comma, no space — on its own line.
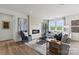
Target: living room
(40,23)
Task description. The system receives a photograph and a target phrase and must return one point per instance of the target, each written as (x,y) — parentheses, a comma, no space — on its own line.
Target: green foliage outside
(58,27)
(52,27)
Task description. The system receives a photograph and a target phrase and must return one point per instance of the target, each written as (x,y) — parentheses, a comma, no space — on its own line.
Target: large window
(60,24)
(56,25)
(52,25)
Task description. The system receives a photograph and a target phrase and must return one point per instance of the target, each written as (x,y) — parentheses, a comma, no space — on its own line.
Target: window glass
(52,25)
(59,24)
(56,25)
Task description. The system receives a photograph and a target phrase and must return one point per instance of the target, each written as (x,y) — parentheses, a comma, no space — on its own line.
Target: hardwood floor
(74,48)
(11,47)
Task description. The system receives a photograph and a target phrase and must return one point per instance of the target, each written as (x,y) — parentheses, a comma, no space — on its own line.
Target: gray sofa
(65,45)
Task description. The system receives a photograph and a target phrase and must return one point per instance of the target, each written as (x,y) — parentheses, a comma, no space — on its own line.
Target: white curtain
(22,24)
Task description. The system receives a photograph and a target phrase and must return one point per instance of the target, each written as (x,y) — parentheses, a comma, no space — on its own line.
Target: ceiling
(43,10)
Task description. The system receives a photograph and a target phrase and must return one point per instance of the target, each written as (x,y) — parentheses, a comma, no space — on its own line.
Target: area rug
(38,47)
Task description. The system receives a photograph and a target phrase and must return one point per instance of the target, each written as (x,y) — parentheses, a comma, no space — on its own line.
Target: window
(56,25)
(60,24)
(52,25)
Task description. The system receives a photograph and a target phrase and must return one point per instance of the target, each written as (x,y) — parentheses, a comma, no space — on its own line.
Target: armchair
(24,38)
(65,45)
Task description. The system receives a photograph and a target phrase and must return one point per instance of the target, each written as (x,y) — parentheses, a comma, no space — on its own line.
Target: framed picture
(6,24)
(75,26)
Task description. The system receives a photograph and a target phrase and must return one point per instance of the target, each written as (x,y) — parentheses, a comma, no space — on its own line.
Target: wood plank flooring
(74,48)
(11,47)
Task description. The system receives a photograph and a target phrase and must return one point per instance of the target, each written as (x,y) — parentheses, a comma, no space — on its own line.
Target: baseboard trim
(6,40)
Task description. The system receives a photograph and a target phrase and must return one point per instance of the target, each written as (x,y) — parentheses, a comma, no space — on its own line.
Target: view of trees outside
(56,24)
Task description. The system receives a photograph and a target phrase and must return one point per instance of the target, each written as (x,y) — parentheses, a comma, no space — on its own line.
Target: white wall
(35,23)
(12,17)
(6,33)
(75,36)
